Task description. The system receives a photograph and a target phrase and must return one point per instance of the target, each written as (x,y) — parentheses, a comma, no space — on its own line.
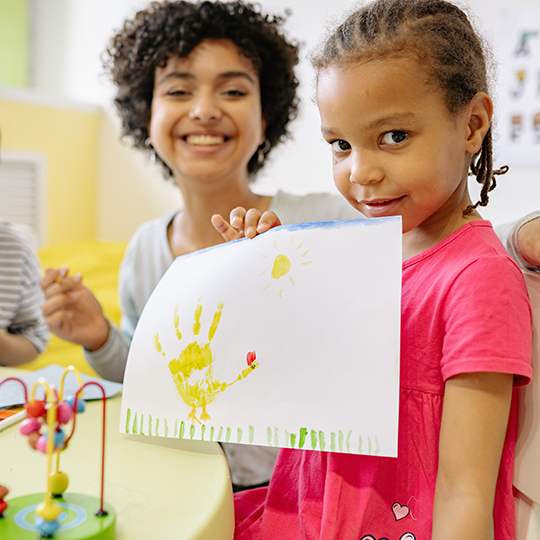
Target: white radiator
(23,192)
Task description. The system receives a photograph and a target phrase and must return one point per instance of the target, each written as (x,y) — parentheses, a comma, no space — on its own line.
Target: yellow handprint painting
(193,373)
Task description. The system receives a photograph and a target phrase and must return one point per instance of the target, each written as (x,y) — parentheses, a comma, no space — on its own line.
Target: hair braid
(482,168)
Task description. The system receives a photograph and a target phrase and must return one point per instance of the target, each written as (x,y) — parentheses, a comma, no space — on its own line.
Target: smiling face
(206,120)
(396,148)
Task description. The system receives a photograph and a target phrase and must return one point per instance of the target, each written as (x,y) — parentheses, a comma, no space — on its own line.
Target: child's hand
(248,223)
(72,311)
(529,241)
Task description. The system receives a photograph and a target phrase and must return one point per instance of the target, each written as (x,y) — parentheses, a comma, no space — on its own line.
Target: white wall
(301,165)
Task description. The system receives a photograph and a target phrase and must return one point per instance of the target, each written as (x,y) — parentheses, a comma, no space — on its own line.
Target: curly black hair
(176,28)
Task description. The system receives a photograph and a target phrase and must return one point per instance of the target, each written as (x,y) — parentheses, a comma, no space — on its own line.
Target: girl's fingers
(56,319)
(58,302)
(268,221)
(51,275)
(61,286)
(245,222)
(251,222)
(237,218)
(222,227)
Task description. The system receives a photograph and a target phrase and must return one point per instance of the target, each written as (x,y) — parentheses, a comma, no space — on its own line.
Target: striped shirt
(21,296)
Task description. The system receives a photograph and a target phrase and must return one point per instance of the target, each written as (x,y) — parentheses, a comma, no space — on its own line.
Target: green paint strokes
(203,429)
(322,441)
(212,433)
(128,418)
(150,424)
(276,437)
(166,427)
(293,440)
(135,429)
(228,434)
(287,438)
(176,428)
(269,435)
(360,444)
(251,434)
(192,431)
(332,441)
(220,434)
(340,439)
(378,448)
(157,427)
(182,430)
(302,437)
(142,424)
(368,445)
(313,439)
(348,443)
(239,434)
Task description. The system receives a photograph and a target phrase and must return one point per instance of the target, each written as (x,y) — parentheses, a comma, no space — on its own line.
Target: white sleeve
(508,234)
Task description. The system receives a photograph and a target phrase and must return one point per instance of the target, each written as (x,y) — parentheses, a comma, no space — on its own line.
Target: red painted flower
(250,357)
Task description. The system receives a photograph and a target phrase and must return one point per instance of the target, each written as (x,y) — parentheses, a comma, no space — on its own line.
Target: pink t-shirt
(465,309)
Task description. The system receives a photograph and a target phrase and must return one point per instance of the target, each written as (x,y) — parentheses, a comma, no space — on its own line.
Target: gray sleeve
(110,360)
(508,234)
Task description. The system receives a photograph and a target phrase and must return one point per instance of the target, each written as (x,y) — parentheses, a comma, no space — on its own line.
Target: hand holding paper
(248,223)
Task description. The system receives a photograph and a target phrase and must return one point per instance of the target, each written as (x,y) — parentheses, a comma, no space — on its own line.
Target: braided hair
(440,36)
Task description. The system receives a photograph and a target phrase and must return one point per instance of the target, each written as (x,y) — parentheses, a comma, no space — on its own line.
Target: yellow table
(160,488)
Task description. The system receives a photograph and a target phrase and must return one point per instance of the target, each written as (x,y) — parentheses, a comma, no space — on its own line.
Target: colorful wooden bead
(3,506)
(45,527)
(64,412)
(48,511)
(35,409)
(33,439)
(41,444)
(81,404)
(29,425)
(58,483)
(59,438)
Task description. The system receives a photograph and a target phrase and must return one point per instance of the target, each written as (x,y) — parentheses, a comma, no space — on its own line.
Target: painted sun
(284,264)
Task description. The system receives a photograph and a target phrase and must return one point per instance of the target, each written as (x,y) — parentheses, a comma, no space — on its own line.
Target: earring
(261,151)
(148,144)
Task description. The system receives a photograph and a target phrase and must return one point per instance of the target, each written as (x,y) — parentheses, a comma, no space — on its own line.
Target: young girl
(402,94)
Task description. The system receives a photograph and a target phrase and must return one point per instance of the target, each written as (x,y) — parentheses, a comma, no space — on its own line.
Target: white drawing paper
(290,339)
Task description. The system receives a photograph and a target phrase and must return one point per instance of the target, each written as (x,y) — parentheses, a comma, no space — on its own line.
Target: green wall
(14,43)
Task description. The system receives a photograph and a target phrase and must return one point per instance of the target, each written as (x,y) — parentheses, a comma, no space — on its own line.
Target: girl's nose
(365,169)
(205,108)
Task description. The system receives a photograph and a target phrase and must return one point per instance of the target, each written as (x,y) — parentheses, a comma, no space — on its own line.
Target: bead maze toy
(56,513)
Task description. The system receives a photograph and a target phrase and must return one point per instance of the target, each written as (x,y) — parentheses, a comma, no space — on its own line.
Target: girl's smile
(396,148)
(206,120)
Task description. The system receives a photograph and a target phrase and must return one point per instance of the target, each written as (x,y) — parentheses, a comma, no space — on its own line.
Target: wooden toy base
(77,521)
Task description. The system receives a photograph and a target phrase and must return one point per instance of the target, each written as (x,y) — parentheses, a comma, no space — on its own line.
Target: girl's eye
(235,93)
(340,146)
(177,93)
(392,138)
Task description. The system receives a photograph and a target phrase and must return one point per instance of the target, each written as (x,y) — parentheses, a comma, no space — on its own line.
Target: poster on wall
(291,339)
(518,115)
